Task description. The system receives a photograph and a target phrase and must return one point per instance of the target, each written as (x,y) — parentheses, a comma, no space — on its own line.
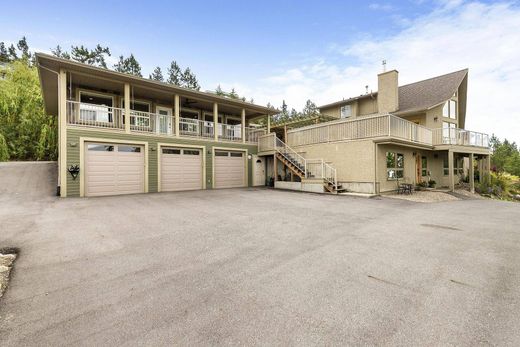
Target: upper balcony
(88,115)
(385,127)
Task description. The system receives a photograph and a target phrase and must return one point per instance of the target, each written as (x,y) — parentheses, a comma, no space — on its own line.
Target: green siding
(74,134)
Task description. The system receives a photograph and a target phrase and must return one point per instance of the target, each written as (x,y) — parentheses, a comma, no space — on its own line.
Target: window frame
(424,166)
(398,171)
(342,108)
(109,109)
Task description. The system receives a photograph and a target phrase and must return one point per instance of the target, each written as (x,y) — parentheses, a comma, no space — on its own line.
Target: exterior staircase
(312,169)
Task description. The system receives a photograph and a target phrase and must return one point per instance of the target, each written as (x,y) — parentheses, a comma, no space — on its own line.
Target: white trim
(82,141)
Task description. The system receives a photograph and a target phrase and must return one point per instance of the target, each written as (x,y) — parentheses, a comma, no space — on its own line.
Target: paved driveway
(255,267)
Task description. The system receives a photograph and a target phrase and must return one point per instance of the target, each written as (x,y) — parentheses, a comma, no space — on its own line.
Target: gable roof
(422,95)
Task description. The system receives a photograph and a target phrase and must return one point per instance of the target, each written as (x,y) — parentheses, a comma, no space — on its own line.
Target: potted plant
(431,183)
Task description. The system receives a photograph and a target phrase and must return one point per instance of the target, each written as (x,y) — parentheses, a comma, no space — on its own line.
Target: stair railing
(290,154)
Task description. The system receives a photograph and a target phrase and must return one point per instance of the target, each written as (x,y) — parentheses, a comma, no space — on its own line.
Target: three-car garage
(112,168)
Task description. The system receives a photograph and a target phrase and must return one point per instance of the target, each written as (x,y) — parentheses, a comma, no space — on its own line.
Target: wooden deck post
(471,174)
(450,167)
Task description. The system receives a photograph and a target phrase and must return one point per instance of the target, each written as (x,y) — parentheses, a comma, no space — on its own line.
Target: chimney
(388,92)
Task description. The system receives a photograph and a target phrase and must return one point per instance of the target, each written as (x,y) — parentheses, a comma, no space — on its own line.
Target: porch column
(177,113)
(62,132)
(268,124)
(215,120)
(488,164)
(480,170)
(471,174)
(243,123)
(450,168)
(127,108)
(275,168)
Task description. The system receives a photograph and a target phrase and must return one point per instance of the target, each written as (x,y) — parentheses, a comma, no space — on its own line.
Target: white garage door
(230,169)
(181,169)
(112,169)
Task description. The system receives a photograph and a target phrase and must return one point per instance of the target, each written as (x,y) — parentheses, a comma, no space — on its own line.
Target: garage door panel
(229,171)
(114,172)
(180,171)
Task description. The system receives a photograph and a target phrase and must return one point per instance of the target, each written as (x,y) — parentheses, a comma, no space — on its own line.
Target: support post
(127,108)
(488,164)
(471,174)
(275,168)
(243,124)
(450,168)
(268,124)
(215,120)
(177,113)
(480,170)
(62,110)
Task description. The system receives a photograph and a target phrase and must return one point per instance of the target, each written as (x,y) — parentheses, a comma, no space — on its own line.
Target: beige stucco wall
(353,160)
(367,106)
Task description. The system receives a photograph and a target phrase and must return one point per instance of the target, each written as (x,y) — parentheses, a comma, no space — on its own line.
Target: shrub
(431,183)
(4,153)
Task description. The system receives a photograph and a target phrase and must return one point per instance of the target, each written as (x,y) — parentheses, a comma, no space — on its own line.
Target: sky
(297,50)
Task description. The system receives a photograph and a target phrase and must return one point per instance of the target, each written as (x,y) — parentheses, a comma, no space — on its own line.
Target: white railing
(318,168)
(152,123)
(100,116)
(361,128)
(253,134)
(91,115)
(461,137)
(196,128)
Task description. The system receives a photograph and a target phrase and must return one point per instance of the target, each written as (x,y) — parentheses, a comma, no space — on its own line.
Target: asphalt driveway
(255,267)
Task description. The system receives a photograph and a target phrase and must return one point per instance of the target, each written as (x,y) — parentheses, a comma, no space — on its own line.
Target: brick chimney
(388,91)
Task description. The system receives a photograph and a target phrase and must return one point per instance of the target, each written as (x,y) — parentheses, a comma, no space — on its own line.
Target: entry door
(258,171)
(165,120)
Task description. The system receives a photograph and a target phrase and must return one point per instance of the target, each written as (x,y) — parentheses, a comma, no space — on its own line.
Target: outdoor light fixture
(74,171)
(249,156)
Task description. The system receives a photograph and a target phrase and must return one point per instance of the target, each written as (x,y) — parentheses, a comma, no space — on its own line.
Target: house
(122,134)
(372,143)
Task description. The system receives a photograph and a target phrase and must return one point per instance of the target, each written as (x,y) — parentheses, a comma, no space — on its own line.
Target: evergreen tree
(95,57)
(233,94)
(4,55)
(12,53)
(23,47)
(189,80)
(219,91)
(174,74)
(157,75)
(310,109)
(58,52)
(128,65)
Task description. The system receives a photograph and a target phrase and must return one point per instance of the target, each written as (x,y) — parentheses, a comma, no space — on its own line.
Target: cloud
(380,7)
(482,37)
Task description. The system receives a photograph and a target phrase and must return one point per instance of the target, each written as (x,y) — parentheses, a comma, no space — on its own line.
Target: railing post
(243,125)
(127,108)
(215,121)
(177,112)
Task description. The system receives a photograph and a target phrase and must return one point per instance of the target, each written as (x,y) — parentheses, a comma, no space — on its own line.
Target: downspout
(58,187)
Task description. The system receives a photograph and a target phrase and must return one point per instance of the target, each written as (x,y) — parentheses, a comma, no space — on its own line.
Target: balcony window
(346,111)
(95,107)
(394,165)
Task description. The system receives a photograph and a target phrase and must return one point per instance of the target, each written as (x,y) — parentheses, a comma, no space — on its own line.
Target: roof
(49,65)
(422,95)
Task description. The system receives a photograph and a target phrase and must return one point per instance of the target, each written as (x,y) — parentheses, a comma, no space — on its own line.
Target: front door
(258,171)
(164,121)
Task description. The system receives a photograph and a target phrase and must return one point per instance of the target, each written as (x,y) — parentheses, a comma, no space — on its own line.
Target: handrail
(462,137)
(289,153)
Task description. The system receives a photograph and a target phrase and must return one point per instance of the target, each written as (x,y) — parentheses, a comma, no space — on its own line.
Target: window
(450,109)
(445,167)
(100,148)
(458,168)
(394,165)
(191,152)
(171,151)
(424,166)
(221,154)
(130,149)
(140,106)
(346,111)
(236,154)
(95,107)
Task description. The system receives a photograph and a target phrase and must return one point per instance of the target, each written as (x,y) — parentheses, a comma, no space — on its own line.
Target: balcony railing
(100,116)
(362,128)
(461,137)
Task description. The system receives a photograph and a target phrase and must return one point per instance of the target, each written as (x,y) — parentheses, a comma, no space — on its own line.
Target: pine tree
(12,53)
(174,74)
(219,91)
(157,75)
(23,47)
(310,109)
(233,94)
(189,80)
(128,65)
(58,52)
(4,55)
(95,57)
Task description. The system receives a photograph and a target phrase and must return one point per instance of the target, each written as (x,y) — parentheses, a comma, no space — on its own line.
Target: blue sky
(298,50)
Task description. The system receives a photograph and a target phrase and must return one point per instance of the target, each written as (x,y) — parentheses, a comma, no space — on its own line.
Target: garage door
(112,169)
(229,169)
(181,169)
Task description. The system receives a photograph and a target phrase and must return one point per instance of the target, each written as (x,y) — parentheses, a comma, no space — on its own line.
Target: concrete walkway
(255,267)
